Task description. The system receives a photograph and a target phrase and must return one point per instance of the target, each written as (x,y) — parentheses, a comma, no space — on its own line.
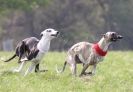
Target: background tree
(77,20)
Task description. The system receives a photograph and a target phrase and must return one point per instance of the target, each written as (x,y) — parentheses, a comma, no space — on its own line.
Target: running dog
(32,49)
(89,54)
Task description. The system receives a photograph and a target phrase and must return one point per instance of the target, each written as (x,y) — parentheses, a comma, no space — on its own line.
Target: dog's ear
(41,34)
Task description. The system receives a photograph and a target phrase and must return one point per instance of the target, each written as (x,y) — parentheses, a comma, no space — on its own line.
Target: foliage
(77,20)
(21,4)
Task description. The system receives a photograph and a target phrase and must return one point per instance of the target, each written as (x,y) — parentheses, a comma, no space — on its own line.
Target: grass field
(114,74)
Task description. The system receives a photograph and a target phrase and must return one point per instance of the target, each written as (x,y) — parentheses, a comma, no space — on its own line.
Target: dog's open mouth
(55,35)
(114,39)
(119,37)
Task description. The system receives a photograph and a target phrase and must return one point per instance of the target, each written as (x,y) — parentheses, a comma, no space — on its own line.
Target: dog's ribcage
(85,52)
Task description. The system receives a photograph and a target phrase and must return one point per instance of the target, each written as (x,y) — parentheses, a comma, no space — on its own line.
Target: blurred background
(77,20)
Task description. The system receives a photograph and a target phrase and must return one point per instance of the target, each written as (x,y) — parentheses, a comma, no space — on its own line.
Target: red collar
(98,50)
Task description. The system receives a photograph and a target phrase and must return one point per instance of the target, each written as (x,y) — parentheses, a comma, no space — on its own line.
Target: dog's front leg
(86,65)
(30,69)
(94,69)
(37,68)
(73,69)
(84,69)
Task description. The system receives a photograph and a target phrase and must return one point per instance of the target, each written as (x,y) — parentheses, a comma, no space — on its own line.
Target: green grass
(114,74)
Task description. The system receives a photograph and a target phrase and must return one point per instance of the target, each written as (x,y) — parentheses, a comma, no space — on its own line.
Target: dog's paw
(16,71)
(43,70)
(81,75)
(90,73)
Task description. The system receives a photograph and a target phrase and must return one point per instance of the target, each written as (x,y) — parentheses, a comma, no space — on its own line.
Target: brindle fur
(83,53)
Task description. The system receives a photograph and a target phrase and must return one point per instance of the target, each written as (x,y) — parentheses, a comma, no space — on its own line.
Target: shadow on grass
(3,73)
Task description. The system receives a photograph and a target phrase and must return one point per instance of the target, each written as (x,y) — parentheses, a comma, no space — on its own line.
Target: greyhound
(32,49)
(88,53)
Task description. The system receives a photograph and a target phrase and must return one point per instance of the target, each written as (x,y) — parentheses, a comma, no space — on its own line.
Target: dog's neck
(104,44)
(44,44)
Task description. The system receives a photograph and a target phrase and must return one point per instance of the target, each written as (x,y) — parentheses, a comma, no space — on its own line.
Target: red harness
(98,50)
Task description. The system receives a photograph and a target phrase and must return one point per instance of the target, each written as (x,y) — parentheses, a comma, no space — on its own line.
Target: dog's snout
(120,37)
(58,32)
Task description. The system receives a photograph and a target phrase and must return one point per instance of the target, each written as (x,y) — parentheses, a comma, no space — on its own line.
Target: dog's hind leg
(73,69)
(20,67)
(20,57)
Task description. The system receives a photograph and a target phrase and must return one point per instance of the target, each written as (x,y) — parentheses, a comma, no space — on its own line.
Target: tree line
(77,20)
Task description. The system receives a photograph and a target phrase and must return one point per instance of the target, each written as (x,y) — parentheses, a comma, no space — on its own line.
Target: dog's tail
(11,58)
(62,70)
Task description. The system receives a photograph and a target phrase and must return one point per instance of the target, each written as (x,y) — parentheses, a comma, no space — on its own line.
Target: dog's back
(26,45)
(24,48)
(30,42)
(79,47)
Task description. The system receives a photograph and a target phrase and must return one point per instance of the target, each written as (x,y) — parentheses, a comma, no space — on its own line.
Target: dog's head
(112,36)
(49,33)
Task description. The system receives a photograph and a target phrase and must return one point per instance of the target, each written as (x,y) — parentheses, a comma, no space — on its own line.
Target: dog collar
(98,50)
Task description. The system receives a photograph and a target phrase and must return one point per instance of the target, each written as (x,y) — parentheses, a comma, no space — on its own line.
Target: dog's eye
(48,30)
(113,34)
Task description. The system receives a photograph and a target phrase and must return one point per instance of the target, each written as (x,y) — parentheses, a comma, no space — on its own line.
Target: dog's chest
(95,59)
(39,55)
(43,45)
(90,57)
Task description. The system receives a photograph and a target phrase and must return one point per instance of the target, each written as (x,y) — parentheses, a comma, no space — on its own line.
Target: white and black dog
(32,49)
